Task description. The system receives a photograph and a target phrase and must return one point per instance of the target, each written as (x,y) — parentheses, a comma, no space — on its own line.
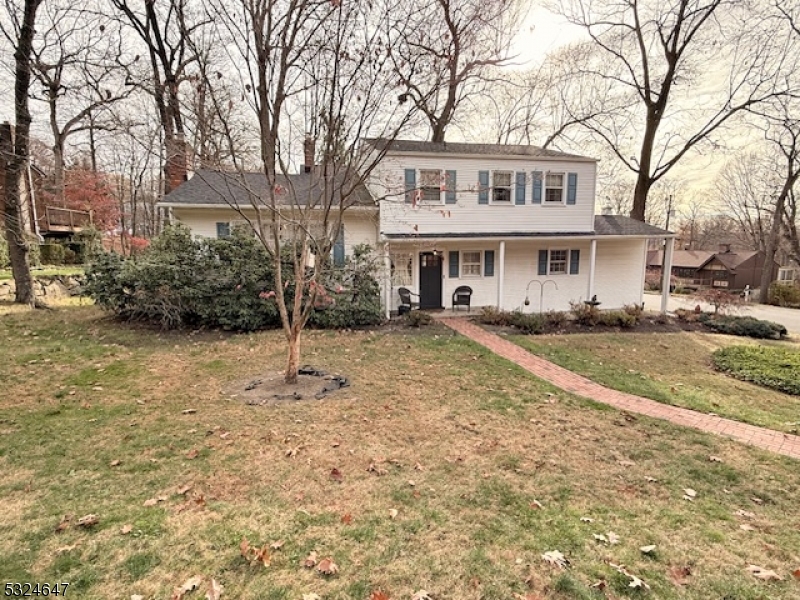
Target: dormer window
(430,186)
(554,188)
(501,187)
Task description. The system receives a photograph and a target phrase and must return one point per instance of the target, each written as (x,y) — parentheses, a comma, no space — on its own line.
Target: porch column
(592,260)
(387,282)
(666,272)
(501,272)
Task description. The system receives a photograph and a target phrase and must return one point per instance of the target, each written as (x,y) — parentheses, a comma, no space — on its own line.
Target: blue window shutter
(411,183)
(572,188)
(537,187)
(542,262)
(453,263)
(223,230)
(574,261)
(488,263)
(450,185)
(338,249)
(520,198)
(483,187)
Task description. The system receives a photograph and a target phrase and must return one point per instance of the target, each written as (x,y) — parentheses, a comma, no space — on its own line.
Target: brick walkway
(774,441)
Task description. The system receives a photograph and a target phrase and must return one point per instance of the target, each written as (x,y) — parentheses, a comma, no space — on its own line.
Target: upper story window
(430,186)
(501,186)
(554,188)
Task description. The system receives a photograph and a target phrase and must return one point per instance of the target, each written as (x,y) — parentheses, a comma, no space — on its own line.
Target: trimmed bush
(528,322)
(744,326)
(775,368)
(492,316)
(584,314)
(556,319)
(617,318)
(52,254)
(417,318)
(784,294)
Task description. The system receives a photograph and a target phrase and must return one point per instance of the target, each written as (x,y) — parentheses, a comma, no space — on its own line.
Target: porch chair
(406,303)
(462,296)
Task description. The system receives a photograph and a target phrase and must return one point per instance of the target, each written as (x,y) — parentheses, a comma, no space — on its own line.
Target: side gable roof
(681,259)
(210,187)
(418,147)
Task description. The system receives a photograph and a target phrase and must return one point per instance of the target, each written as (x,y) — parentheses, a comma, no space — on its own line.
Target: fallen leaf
(126,529)
(421,595)
(310,561)
(796,573)
(64,549)
(393,513)
(680,575)
(758,501)
(137,597)
(587,520)
(193,453)
(690,492)
(746,527)
(244,548)
(184,489)
(215,590)
(649,479)
(713,458)
(600,584)
(276,545)
(327,567)
(647,549)
(379,595)
(115,463)
(189,411)
(744,513)
(379,471)
(635,582)
(312,597)
(536,505)
(763,574)
(154,501)
(64,524)
(347,519)
(262,556)
(336,474)
(292,452)
(613,538)
(189,585)
(88,521)
(600,537)
(555,558)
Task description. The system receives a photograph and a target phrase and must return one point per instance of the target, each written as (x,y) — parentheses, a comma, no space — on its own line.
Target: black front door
(430,280)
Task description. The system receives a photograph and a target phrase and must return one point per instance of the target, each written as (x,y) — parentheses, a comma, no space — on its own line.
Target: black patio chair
(406,303)
(462,296)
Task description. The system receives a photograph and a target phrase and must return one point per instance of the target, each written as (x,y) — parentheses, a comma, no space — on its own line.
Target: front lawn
(46,271)
(442,468)
(673,368)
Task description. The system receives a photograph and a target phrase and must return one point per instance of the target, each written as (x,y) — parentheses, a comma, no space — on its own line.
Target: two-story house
(514,223)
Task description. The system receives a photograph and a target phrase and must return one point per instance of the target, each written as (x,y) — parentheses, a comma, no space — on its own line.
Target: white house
(511,222)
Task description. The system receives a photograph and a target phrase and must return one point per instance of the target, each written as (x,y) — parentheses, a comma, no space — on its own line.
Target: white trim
(592,261)
(500,266)
(666,274)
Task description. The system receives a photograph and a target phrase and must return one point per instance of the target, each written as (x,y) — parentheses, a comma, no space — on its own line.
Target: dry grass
(461,444)
(673,368)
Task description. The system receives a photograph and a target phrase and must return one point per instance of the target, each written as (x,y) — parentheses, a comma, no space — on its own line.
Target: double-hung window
(554,188)
(471,263)
(431,186)
(501,187)
(558,262)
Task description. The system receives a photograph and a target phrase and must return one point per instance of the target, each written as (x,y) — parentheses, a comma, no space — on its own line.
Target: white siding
(467,216)
(359,227)
(619,277)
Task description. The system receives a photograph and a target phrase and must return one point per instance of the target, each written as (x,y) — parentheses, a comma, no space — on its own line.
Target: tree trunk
(293,355)
(58,171)
(769,259)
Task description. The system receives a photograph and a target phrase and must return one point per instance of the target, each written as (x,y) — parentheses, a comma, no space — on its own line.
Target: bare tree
(165,29)
(319,67)
(442,51)
(15,150)
(657,54)
(76,59)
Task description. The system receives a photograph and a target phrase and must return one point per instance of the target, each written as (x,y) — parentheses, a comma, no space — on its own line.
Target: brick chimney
(309,152)
(175,169)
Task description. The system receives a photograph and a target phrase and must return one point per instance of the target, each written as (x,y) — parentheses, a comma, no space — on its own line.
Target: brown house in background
(733,270)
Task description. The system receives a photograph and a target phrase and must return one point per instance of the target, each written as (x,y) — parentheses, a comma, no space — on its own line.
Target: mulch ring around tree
(312,384)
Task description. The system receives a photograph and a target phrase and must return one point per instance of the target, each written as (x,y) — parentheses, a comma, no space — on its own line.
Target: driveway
(788,317)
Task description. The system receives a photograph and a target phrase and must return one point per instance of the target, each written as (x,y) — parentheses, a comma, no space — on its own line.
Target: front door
(430,280)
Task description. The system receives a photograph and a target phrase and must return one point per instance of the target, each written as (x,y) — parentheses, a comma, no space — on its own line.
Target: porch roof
(604,226)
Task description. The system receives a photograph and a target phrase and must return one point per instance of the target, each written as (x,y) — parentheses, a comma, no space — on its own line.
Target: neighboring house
(511,222)
(733,270)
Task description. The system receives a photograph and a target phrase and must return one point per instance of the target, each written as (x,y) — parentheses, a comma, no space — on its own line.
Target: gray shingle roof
(477,149)
(225,188)
(619,225)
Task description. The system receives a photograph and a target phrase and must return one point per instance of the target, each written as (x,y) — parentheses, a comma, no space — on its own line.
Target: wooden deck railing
(65,219)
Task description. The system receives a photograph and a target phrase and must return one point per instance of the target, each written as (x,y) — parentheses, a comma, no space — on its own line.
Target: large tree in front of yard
(317,79)
(16,149)
(682,70)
